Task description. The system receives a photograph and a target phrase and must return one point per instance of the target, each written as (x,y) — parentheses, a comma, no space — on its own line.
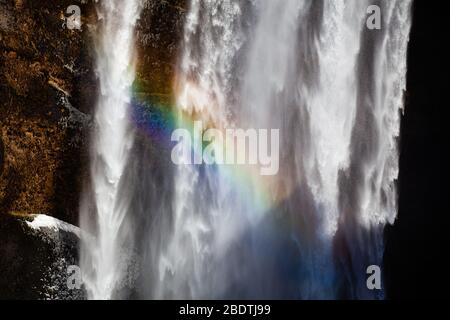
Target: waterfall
(311,69)
(106,250)
(334,89)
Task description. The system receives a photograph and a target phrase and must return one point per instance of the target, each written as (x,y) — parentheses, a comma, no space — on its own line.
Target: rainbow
(157,121)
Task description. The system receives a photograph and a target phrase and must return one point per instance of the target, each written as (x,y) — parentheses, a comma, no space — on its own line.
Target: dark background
(417,251)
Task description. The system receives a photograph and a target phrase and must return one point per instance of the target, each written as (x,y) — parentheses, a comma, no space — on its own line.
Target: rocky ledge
(36,255)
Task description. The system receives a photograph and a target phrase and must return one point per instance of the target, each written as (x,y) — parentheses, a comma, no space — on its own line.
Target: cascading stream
(106,252)
(311,69)
(334,88)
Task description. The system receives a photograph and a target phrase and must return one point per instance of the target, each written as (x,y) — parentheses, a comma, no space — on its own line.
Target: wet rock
(36,252)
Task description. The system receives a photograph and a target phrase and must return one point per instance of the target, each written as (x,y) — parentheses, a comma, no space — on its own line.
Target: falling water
(310,68)
(106,251)
(334,88)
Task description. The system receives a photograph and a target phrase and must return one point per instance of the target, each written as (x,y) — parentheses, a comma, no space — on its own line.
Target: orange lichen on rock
(29,164)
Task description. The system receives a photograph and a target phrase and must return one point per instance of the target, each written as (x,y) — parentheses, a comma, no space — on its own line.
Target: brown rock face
(31,160)
(48,89)
(46,84)
(159,34)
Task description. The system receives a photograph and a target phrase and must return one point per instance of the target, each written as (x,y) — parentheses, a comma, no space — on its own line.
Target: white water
(334,88)
(310,68)
(42,221)
(105,256)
